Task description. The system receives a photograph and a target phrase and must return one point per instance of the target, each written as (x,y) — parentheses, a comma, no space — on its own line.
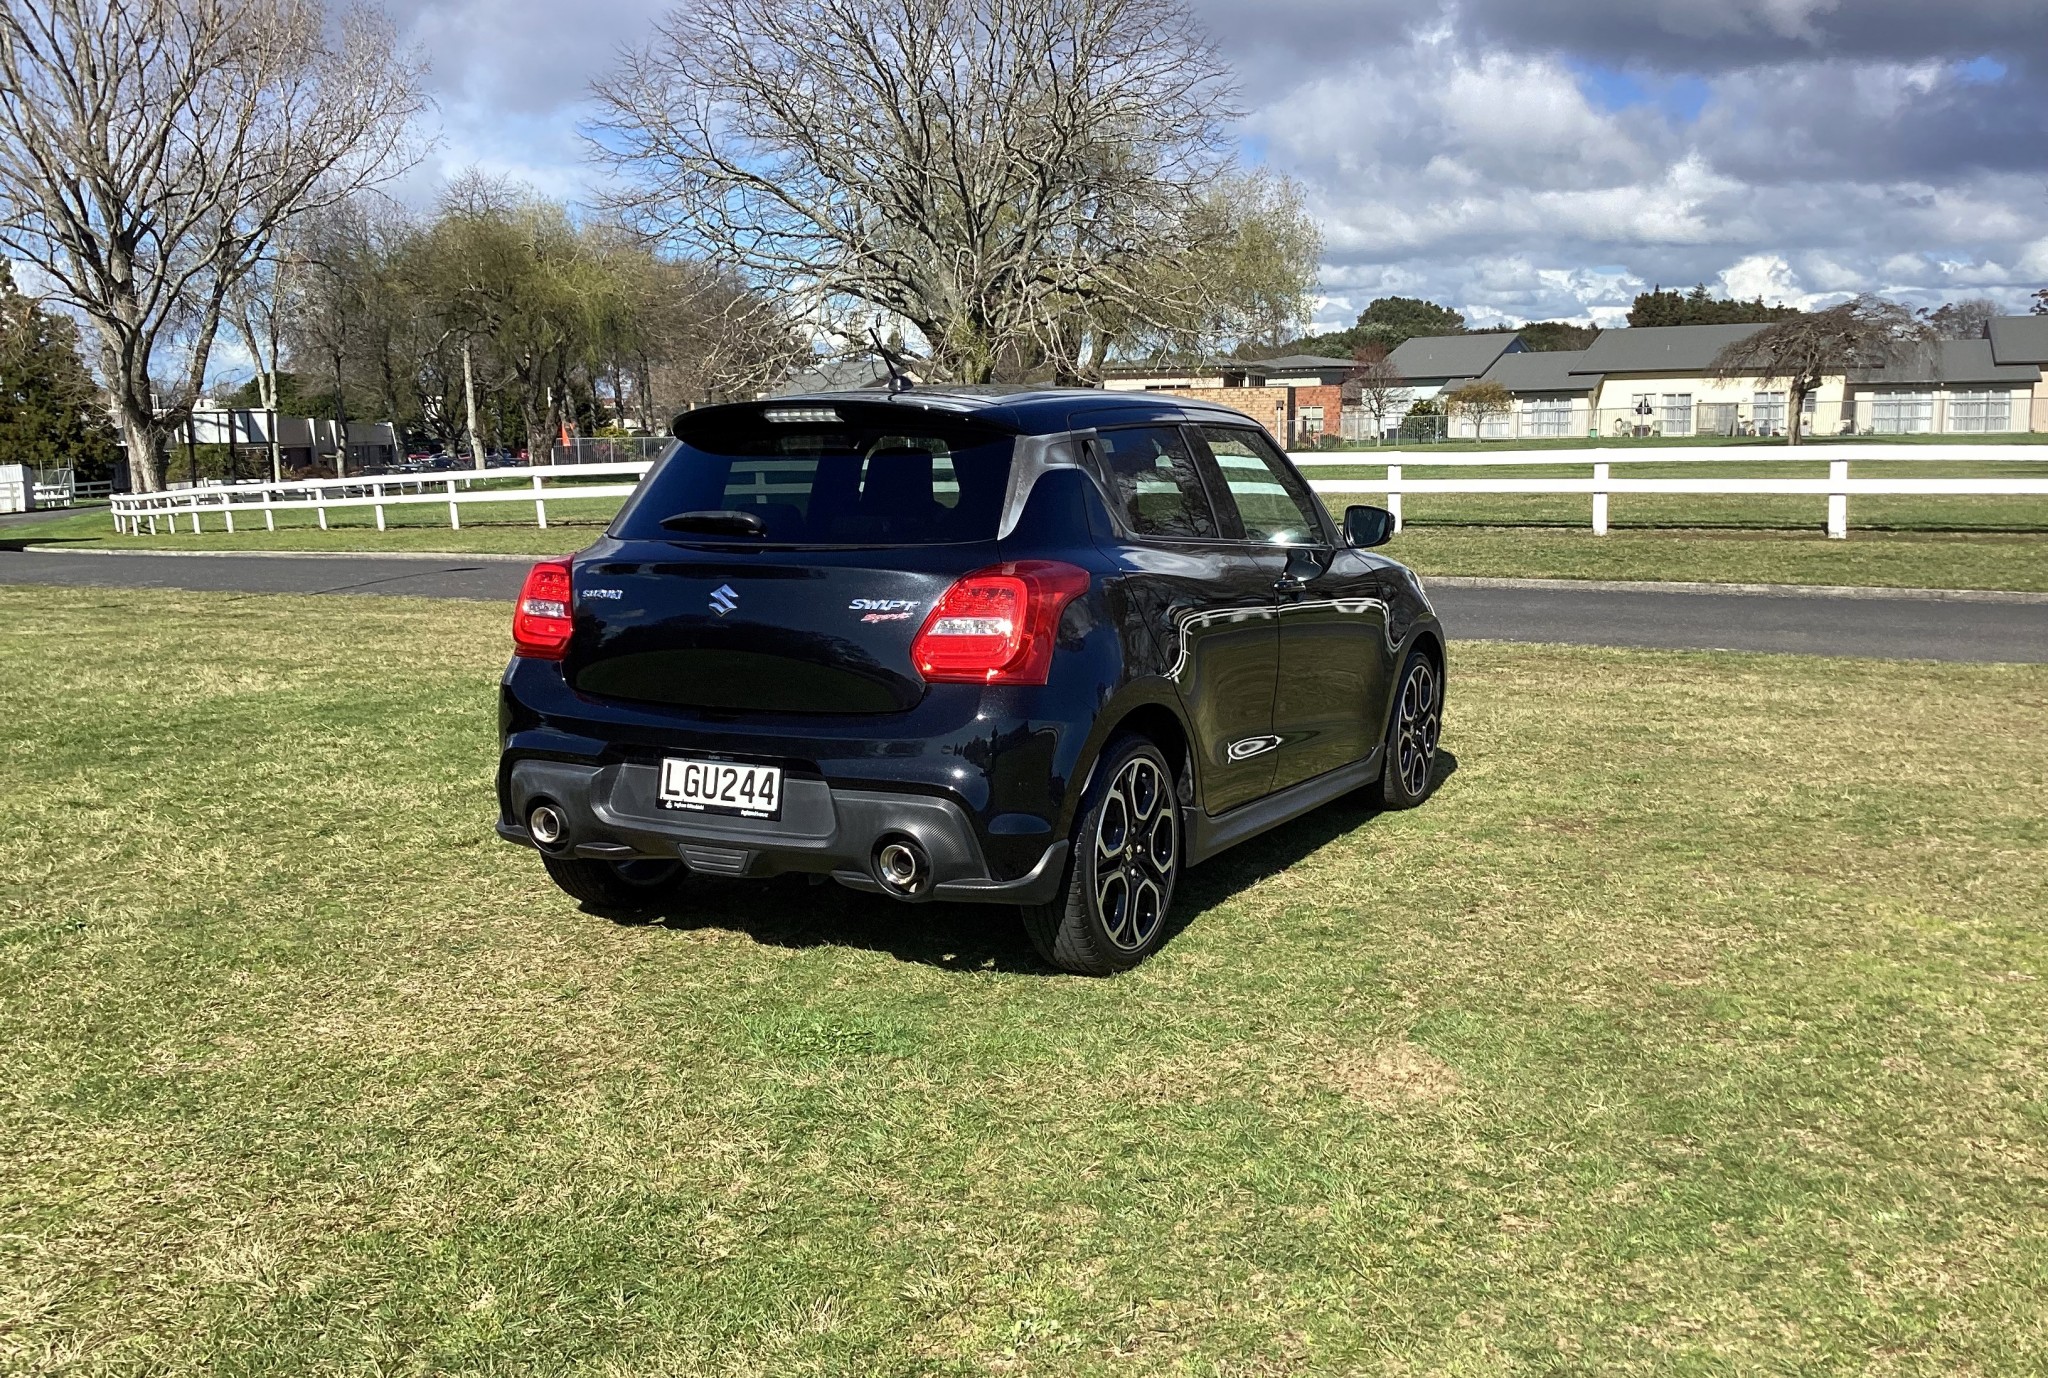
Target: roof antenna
(899,381)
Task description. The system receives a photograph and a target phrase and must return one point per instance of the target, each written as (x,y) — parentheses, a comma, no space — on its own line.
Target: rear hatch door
(783,557)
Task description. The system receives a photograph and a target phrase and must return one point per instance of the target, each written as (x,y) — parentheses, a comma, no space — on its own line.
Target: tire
(614,884)
(1409,772)
(1122,867)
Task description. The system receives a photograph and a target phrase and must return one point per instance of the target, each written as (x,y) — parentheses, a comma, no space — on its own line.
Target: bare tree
(1867,333)
(1963,320)
(1381,389)
(151,151)
(985,170)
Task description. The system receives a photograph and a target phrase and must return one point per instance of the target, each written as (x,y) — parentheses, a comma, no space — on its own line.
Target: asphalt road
(1921,628)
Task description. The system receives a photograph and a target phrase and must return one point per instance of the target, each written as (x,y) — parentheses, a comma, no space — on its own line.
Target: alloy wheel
(1416,731)
(1137,847)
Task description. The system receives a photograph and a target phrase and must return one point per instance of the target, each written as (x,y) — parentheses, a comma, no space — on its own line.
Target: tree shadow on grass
(797,912)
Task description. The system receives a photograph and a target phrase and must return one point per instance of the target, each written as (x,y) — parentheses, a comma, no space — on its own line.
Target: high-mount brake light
(998,625)
(540,624)
(797,416)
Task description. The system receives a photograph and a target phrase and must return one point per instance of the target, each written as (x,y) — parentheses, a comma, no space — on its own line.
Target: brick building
(1298,398)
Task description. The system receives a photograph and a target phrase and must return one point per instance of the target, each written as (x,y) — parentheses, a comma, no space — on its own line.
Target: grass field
(1694,1027)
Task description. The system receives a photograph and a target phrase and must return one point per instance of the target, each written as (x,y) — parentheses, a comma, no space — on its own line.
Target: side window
(1272,511)
(1155,483)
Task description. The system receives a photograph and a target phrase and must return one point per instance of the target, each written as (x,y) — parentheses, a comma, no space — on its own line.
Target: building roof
(1660,348)
(1451,356)
(2019,339)
(835,374)
(1951,362)
(1542,370)
(1299,363)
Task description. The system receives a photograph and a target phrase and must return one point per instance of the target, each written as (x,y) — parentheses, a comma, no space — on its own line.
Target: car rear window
(821,482)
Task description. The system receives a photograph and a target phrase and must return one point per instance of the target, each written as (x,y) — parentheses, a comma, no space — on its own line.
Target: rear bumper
(612,814)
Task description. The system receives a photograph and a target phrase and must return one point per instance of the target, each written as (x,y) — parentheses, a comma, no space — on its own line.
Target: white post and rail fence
(224,503)
(1602,483)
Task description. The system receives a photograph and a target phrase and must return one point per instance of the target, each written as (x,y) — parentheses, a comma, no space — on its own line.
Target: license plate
(721,787)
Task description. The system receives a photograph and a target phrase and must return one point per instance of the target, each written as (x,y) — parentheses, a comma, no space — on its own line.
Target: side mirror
(1366,527)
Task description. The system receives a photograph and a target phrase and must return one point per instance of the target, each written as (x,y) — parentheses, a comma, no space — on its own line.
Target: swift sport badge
(724,600)
(883,609)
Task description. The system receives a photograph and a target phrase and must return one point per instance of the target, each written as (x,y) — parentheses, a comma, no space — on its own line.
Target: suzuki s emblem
(724,600)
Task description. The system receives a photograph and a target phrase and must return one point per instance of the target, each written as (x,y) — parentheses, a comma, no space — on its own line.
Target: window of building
(1677,413)
(1972,410)
(1902,413)
(1767,413)
(1715,418)
(1310,420)
(1547,416)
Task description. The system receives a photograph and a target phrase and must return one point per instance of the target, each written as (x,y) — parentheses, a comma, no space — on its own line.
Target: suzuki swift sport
(1043,648)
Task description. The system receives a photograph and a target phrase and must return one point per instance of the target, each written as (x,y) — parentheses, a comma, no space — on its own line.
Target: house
(1958,388)
(2024,340)
(1659,381)
(302,441)
(1298,397)
(1553,396)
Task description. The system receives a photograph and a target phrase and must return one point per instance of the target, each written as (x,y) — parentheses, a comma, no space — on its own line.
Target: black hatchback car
(1046,648)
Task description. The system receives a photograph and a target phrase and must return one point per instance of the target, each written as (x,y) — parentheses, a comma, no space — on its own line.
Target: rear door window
(832,483)
(1155,483)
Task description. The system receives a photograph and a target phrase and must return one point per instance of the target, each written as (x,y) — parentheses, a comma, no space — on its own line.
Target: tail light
(540,624)
(998,625)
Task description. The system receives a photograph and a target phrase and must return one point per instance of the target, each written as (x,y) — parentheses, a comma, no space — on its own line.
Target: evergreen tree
(1701,307)
(51,413)
(1410,317)
(1557,335)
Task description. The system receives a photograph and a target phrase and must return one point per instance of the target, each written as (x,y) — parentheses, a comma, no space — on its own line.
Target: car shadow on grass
(798,912)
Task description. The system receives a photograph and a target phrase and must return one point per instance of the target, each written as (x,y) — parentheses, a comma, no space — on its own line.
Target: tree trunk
(138,437)
(1796,400)
(476,443)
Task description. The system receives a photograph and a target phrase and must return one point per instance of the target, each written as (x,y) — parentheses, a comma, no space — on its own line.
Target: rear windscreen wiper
(718,522)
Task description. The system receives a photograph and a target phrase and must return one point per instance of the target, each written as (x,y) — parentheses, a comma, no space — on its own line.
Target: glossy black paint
(1266,669)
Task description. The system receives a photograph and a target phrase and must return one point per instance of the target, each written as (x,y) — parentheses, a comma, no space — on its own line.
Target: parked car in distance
(1046,648)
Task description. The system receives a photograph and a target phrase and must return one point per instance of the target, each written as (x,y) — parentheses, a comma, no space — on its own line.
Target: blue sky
(1517,159)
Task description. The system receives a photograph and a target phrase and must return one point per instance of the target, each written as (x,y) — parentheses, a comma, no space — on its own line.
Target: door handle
(1289,583)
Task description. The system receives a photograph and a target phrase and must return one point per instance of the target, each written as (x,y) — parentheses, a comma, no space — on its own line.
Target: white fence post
(377,491)
(1394,499)
(227,511)
(540,508)
(454,515)
(269,514)
(320,505)
(1600,473)
(1838,501)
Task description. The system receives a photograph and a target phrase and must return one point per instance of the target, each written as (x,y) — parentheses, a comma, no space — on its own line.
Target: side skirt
(1207,836)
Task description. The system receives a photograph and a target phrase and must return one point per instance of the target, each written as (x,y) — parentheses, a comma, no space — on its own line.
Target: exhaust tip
(544,822)
(902,868)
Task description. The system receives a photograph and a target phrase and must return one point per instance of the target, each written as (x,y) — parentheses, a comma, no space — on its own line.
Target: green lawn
(1694,1027)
